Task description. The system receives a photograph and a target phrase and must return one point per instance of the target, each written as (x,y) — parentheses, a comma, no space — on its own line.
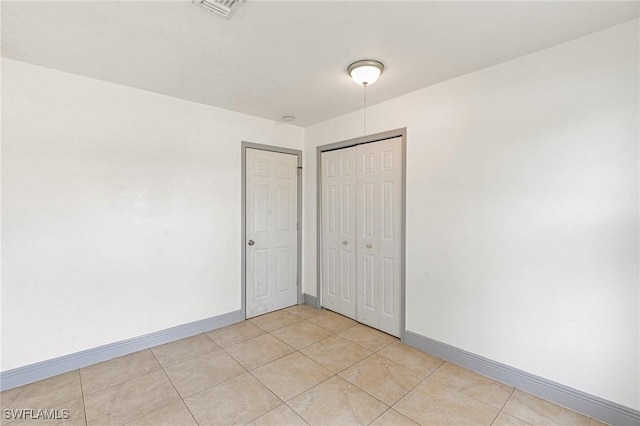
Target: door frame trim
(243,203)
(401,132)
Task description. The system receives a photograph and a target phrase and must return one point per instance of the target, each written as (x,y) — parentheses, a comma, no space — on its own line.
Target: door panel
(368,287)
(271,231)
(379,234)
(388,292)
(261,273)
(338,254)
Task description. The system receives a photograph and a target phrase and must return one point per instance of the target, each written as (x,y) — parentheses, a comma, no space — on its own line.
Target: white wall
(522,211)
(120,211)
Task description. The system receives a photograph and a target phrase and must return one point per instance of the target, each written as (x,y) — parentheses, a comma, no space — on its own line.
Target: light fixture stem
(365,110)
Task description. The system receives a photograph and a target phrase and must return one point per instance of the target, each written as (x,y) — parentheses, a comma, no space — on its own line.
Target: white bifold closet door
(361,226)
(271,231)
(339,205)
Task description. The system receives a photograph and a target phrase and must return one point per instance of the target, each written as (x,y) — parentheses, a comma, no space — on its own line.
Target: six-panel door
(339,231)
(379,228)
(271,234)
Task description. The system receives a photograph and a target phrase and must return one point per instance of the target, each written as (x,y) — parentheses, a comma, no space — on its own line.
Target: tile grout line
(213,386)
(84,406)
(503,405)
(350,365)
(468,396)
(509,414)
(128,379)
(186,359)
(375,351)
(314,386)
(336,333)
(279,339)
(295,350)
(211,338)
(381,414)
(260,381)
(507,400)
(476,399)
(189,359)
(268,313)
(245,341)
(266,363)
(297,414)
(425,374)
(376,398)
(222,382)
(270,391)
(224,348)
(356,343)
(495,417)
(292,325)
(317,384)
(356,386)
(174,388)
(424,377)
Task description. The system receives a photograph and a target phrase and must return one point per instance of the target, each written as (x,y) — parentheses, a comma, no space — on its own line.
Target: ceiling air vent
(225,8)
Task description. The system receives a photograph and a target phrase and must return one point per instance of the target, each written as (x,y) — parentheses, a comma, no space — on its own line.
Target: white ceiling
(275,58)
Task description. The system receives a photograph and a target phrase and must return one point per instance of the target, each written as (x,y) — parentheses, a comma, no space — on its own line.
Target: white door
(339,231)
(379,230)
(271,231)
(361,227)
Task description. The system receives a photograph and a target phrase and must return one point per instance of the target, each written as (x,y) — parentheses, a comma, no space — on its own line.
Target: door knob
(251,242)
(369,245)
(344,243)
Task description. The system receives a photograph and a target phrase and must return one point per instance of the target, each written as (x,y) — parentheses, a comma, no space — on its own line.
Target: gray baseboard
(574,399)
(310,300)
(41,370)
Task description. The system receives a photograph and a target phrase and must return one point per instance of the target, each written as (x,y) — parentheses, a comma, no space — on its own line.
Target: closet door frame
(402,133)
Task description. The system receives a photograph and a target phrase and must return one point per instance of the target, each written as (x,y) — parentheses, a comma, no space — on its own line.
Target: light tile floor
(296,366)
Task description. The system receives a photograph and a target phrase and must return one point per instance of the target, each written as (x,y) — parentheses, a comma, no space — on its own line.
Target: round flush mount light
(288,117)
(366,71)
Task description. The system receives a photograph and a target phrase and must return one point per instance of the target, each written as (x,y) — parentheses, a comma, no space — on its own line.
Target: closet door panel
(338,211)
(379,187)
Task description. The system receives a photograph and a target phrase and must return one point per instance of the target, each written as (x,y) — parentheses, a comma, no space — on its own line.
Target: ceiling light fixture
(288,117)
(366,71)
(225,8)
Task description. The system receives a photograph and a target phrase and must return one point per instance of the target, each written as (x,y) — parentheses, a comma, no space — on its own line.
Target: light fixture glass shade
(365,72)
